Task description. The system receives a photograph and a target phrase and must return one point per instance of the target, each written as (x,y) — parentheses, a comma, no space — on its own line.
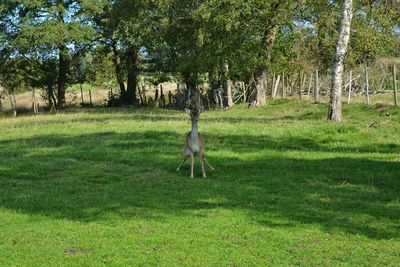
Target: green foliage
(100,69)
(47,32)
(12,78)
(189,40)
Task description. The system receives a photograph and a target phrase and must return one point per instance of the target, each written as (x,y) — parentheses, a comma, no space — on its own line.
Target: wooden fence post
(350,86)
(283,85)
(309,85)
(81,95)
(90,97)
(395,85)
(162,96)
(301,76)
(367,85)
(144,94)
(316,90)
(170,99)
(156,98)
(244,92)
(35,108)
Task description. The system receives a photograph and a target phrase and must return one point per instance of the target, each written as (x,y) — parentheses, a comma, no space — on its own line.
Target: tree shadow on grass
(124,114)
(235,142)
(106,175)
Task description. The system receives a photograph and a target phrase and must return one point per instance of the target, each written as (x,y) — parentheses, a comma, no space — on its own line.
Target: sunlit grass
(99,187)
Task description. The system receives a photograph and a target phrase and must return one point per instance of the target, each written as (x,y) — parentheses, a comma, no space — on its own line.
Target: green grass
(98,187)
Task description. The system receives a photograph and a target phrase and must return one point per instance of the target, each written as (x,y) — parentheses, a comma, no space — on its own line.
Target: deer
(194,143)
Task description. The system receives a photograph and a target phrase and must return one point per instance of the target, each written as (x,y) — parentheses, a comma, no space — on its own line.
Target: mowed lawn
(98,187)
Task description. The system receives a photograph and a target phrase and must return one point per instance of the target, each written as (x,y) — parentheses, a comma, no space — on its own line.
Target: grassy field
(98,187)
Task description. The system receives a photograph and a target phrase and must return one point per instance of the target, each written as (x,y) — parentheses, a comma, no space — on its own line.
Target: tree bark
(62,75)
(192,90)
(276,86)
(350,87)
(335,103)
(259,88)
(118,68)
(132,58)
(13,103)
(51,98)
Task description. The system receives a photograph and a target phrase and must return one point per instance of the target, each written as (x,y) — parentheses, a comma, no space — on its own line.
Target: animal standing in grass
(194,143)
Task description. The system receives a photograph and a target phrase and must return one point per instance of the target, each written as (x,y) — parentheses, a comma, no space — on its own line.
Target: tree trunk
(335,103)
(259,88)
(144,94)
(350,86)
(13,104)
(118,69)
(51,98)
(63,62)
(162,96)
(132,77)
(227,84)
(276,86)
(273,85)
(192,91)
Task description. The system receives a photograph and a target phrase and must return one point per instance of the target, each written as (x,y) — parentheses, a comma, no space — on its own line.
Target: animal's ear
(201,110)
(187,110)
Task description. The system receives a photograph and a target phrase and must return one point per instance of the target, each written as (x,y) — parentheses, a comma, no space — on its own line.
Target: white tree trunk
(276,86)
(350,86)
(335,103)
(227,83)
(366,85)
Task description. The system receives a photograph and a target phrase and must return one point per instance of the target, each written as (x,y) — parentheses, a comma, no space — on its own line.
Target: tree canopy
(187,40)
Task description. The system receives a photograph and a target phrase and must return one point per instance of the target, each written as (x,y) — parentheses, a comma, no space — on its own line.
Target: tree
(124,28)
(50,29)
(12,79)
(106,24)
(335,103)
(183,37)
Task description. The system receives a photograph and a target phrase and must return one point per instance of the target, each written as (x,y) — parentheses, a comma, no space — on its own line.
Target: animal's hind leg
(202,166)
(183,161)
(208,164)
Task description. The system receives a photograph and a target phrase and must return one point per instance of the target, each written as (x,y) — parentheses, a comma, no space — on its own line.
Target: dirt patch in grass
(381,107)
(77,251)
